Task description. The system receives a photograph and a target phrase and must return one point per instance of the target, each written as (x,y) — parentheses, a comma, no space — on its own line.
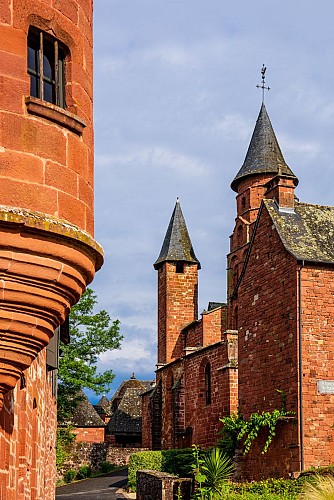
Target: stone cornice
(45,265)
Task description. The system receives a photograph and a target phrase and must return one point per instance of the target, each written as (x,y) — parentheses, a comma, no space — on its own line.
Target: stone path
(103,487)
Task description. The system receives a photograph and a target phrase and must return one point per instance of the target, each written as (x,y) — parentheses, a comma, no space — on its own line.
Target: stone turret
(47,252)
(177,267)
(263,174)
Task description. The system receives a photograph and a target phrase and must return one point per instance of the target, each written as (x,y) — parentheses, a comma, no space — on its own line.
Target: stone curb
(125,494)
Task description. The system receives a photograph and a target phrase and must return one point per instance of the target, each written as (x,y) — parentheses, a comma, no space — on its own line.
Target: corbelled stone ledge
(45,265)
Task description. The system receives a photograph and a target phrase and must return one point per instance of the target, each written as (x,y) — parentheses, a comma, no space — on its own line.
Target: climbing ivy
(236,428)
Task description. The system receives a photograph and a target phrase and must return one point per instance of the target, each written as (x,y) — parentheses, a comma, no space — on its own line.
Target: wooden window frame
(38,42)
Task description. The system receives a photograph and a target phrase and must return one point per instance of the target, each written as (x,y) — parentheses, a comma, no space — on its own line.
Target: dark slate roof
(104,403)
(127,417)
(215,305)
(177,244)
(132,383)
(307,233)
(85,415)
(264,154)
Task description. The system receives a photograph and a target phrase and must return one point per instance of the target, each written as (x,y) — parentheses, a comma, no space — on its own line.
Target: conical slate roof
(84,414)
(264,154)
(177,244)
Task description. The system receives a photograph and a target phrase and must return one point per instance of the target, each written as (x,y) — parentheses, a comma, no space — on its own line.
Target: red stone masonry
(47,253)
(47,166)
(177,306)
(318,356)
(268,343)
(187,415)
(89,434)
(27,437)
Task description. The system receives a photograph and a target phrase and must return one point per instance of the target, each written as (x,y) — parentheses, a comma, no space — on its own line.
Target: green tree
(91,334)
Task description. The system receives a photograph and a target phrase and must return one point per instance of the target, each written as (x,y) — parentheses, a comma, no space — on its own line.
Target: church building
(272,337)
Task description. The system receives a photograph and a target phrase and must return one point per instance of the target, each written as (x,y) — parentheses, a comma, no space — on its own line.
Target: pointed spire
(264,154)
(177,244)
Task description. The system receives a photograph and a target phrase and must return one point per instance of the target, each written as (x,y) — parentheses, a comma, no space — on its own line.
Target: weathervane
(263,87)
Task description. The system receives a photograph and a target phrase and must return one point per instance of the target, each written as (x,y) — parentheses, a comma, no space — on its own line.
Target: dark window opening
(243,202)
(236,318)
(179,267)
(208,384)
(46,68)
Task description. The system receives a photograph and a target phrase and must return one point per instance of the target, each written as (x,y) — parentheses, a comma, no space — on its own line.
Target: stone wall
(268,362)
(318,369)
(27,437)
(93,454)
(153,485)
(190,410)
(89,434)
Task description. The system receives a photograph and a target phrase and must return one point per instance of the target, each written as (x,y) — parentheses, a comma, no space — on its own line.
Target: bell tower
(263,164)
(177,268)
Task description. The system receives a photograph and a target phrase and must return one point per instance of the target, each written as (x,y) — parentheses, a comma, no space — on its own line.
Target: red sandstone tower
(177,268)
(47,253)
(264,161)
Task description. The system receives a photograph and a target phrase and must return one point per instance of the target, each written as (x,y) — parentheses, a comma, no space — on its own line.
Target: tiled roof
(264,154)
(307,232)
(127,417)
(125,407)
(85,415)
(177,244)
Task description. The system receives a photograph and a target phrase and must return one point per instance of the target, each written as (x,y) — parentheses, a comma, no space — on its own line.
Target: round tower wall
(46,141)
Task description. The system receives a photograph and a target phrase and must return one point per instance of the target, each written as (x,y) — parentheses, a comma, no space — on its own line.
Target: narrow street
(97,488)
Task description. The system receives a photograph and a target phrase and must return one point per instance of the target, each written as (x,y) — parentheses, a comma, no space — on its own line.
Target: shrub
(286,488)
(106,467)
(65,438)
(69,476)
(143,460)
(178,462)
(84,472)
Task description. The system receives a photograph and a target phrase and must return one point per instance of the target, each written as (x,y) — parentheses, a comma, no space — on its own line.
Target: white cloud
(134,356)
(300,148)
(234,127)
(156,157)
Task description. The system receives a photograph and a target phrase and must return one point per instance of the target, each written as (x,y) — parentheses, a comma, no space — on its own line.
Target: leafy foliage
(106,467)
(69,476)
(236,428)
(84,472)
(177,462)
(65,438)
(91,334)
(146,460)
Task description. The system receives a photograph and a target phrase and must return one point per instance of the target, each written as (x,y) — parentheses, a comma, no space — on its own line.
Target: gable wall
(318,363)
(267,323)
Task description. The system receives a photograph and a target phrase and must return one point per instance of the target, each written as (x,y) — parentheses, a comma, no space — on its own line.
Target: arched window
(208,384)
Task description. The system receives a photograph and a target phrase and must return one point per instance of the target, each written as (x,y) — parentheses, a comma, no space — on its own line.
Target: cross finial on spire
(263,86)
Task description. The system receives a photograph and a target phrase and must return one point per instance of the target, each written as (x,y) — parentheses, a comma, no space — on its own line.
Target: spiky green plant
(217,469)
(321,489)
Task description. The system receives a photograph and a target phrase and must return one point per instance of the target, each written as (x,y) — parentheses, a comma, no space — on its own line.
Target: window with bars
(46,68)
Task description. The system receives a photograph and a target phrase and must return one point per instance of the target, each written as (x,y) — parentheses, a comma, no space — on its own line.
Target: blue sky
(175,106)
